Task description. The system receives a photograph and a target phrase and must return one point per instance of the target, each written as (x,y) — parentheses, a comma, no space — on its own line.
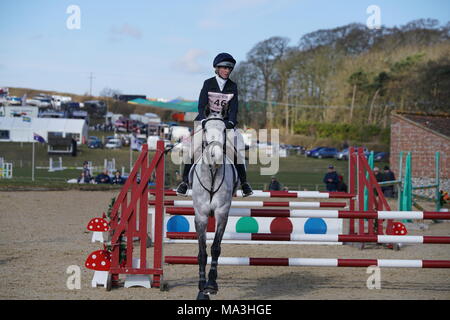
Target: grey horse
(214,182)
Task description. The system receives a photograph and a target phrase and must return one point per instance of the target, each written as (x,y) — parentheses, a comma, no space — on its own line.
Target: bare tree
(108,92)
(264,55)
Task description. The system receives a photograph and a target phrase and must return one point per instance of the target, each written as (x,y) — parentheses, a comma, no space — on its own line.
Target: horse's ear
(207,112)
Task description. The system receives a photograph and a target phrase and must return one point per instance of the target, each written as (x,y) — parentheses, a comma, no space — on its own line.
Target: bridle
(206,144)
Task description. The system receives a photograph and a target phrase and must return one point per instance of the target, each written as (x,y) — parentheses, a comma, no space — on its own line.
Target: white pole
(32,163)
(131,152)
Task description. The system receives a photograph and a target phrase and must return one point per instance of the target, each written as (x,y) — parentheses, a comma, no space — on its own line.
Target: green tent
(182,106)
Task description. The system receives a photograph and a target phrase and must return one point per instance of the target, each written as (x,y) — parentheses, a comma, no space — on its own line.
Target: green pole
(366,191)
(400,185)
(407,188)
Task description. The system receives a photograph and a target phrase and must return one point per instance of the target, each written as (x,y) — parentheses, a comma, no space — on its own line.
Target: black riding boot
(183,187)
(246,189)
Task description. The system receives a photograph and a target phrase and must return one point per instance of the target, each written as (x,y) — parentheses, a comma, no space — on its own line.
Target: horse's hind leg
(201,222)
(211,285)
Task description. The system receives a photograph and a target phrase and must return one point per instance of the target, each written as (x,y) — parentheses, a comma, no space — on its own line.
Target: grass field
(296,172)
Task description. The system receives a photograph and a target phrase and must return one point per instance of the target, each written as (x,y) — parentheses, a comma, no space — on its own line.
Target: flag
(38,138)
(135,143)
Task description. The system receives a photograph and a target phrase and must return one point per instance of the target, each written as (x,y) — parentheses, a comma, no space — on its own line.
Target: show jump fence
(127,248)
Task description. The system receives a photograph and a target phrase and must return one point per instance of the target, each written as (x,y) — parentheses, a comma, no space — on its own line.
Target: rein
(211,191)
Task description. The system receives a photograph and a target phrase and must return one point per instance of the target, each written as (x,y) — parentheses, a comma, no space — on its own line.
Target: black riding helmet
(224,60)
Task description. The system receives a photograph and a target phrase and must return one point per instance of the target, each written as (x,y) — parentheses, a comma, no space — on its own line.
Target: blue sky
(163,49)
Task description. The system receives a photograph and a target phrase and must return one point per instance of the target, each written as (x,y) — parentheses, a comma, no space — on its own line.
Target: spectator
(87,171)
(117,179)
(285,189)
(83,179)
(342,187)
(377,174)
(331,179)
(388,175)
(74,147)
(274,184)
(103,177)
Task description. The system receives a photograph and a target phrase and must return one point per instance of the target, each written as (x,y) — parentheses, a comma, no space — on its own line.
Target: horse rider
(220,83)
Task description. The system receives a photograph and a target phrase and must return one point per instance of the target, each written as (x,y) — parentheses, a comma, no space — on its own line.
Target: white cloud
(191,62)
(126,30)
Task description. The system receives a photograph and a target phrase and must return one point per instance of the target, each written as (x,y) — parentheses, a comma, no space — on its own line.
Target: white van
(114,144)
(178,132)
(152,140)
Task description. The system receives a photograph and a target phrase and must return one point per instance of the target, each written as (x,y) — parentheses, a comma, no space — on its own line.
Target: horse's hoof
(211,288)
(210,291)
(201,285)
(202,296)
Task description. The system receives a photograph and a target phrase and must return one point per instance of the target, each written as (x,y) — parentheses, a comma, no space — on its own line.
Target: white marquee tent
(22,129)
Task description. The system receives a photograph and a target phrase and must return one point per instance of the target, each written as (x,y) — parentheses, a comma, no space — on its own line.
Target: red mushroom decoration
(99,260)
(399,229)
(98,225)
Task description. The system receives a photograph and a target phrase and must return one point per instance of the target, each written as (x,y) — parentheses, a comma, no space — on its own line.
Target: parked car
(310,152)
(114,144)
(343,155)
(95,144)
(325,153)
(293,149)
(14,101)
(299,149)
(381,156)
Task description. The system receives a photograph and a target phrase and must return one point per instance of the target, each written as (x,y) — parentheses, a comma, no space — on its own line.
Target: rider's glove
(230,125)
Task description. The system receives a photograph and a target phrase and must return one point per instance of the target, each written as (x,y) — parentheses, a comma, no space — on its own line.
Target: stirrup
(182,189)
(246,190)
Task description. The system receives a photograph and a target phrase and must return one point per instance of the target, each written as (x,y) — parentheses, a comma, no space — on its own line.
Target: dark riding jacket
(211,85)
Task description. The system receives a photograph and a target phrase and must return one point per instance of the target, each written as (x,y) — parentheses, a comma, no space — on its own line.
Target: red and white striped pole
(330,214)
(282,194)
(246,204)
(310,262)
(314,237)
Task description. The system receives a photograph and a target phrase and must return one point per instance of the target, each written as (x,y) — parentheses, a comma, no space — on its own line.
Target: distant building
(19,111)
(22,129)
(423,135)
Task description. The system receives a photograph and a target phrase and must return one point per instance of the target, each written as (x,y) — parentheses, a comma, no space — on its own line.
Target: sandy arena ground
(42,233)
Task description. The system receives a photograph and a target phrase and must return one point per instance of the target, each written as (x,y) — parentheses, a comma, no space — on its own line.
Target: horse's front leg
(221,216)
(201,222)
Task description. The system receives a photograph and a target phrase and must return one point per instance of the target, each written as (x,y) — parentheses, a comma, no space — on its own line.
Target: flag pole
(131,152)
(32,162)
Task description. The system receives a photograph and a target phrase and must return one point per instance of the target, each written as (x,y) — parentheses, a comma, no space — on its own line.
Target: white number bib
(218,101)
